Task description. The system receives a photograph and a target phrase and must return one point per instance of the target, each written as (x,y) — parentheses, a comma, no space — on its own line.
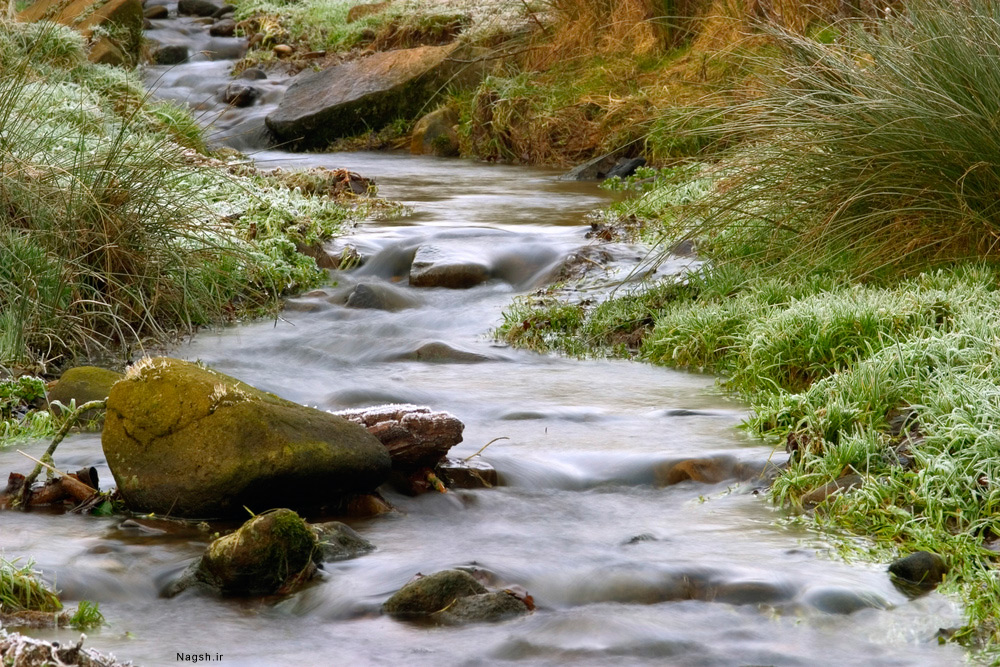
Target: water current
(609,555)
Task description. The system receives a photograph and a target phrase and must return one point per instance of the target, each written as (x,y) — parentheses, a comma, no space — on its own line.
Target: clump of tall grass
(21,589)
(112,229)
(880,149)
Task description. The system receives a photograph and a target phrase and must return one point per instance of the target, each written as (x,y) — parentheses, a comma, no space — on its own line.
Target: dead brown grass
(607,75)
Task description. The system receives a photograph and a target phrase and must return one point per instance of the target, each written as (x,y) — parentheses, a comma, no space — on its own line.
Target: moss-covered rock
(435,134)
(83,384)
(483,608)
(455,597)
(271,553)
(433,593)
(187,441)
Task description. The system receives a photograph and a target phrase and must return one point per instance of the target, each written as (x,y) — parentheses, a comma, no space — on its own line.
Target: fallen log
(66,488)
(415,436)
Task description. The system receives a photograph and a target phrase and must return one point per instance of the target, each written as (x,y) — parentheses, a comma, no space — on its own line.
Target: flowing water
(610,557)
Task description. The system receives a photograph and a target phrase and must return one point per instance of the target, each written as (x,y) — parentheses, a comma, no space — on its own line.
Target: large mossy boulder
(271,553)
(364,94)
(187,441)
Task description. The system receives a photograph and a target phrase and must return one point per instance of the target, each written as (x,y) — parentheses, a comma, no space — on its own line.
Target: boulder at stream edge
(187,441)
(363,94)
(83,384)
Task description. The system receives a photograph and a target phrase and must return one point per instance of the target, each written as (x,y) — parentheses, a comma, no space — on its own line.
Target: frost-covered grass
(850,288)
(313,25)
(21,589)
(113,227)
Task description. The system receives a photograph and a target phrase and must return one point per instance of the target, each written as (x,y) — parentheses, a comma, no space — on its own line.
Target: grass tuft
(21,589)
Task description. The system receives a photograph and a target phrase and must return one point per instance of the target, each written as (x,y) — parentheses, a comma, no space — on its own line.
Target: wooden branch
(71,420)
(415,436)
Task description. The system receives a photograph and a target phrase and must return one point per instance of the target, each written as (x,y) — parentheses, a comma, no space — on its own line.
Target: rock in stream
(188,441)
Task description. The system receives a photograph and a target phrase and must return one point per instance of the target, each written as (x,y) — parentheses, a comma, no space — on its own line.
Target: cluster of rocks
(277,552)
(218,20)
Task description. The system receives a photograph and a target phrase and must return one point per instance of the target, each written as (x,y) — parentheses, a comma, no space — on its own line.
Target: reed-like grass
(878,150)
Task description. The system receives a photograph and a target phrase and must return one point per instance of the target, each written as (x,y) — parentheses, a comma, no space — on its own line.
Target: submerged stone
(434,267)
(432,593)
(483,608)
(197,7)
(838,600)
(467,474)
(338,541)
(376,296)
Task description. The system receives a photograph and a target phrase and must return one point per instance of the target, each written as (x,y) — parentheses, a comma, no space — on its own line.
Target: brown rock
(85,15)
(471,474)
(283,50)
(239,94)
(710,470)
(223,28)
(362,94)
(415,436)
(316,251)
(156,12)
(436,267)
(838,486)
(435,134)
(106,52)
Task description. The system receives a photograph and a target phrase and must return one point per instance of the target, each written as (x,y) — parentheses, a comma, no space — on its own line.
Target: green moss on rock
(271,553)
(187,441)
(83,384)
(433,593)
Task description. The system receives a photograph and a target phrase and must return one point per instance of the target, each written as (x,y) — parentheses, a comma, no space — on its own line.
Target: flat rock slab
(434,266)
(360,95)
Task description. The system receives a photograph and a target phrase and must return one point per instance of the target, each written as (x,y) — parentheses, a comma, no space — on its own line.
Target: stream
(579,521)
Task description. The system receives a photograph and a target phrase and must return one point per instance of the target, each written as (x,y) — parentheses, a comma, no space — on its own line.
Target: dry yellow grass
(608,74)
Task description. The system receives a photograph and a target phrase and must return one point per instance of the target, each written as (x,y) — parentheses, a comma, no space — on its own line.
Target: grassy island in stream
(847,215)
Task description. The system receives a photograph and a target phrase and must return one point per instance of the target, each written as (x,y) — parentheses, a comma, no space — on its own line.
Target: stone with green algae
(187,441)
(271,553)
